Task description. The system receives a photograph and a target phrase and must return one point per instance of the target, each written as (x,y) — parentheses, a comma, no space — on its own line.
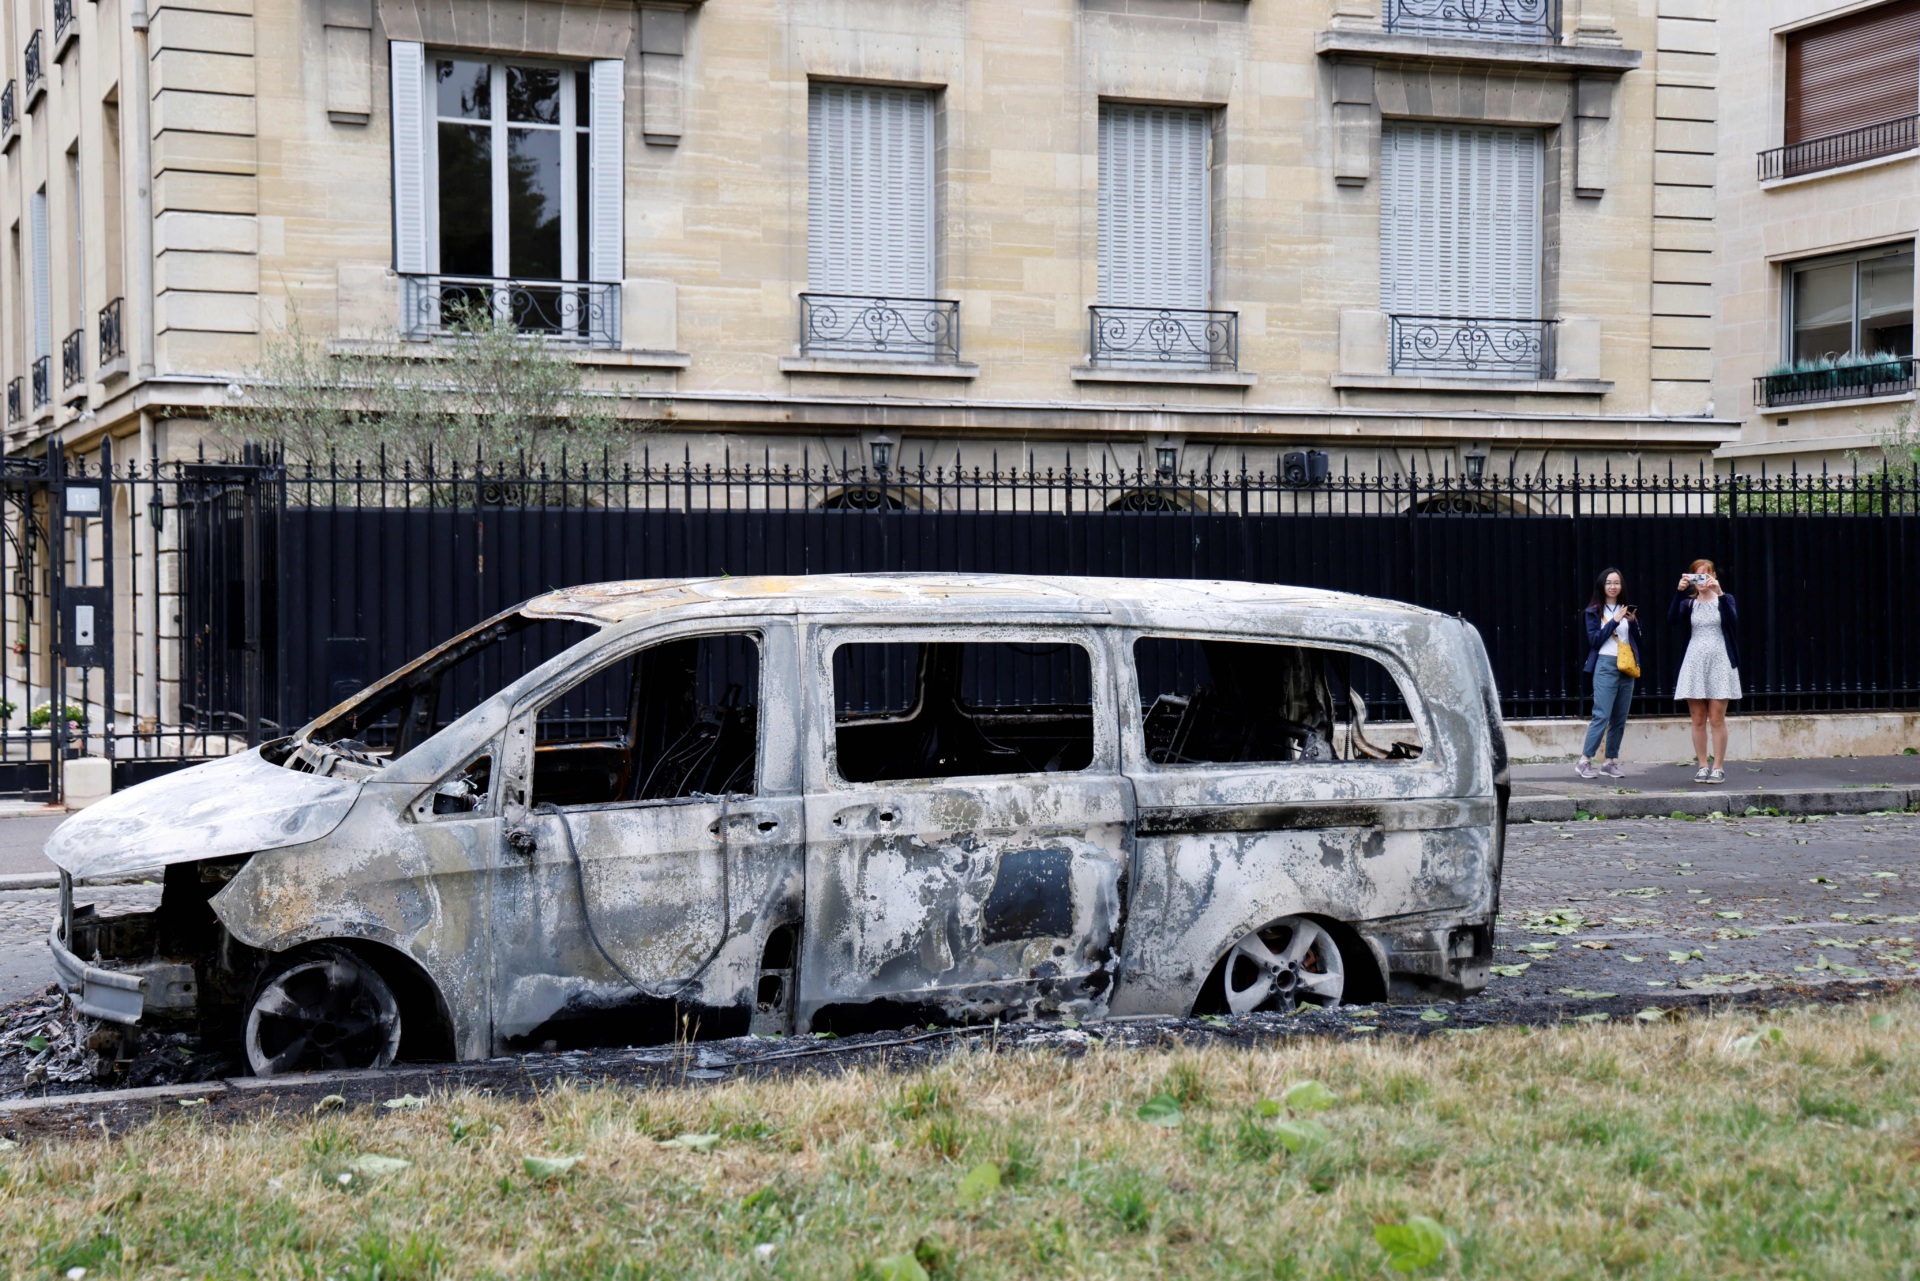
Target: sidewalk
(1827,785)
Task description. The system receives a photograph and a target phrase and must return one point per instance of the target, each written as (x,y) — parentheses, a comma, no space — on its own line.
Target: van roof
(622,602)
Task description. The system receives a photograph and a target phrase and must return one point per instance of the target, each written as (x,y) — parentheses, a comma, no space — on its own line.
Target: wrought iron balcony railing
(571,313)
(62,20)
(1470,346)
(36,75)
(73,360)
(14,390)
(112,346)
(1173,337)
(889,328)
(1522,21)
(1869,142)
(9,114)
(42,381)
(1890,377)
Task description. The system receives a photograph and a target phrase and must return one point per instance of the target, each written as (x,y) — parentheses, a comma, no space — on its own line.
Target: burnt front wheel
(1292,960)
(324,1008)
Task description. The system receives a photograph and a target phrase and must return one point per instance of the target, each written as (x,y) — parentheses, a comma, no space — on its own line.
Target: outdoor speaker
(1307,467)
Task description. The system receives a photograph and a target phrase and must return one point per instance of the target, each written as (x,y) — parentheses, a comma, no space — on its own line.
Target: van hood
(236,805)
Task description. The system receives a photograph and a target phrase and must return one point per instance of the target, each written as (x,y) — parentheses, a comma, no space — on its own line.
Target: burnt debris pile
(48,1046)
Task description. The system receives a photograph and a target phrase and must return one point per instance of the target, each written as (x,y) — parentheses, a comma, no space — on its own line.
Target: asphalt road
(1625,907)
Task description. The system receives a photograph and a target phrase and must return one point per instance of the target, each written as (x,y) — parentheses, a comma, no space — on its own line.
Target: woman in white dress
(1710,673)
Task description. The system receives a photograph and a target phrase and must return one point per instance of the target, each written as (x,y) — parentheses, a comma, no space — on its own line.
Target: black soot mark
(1032,897)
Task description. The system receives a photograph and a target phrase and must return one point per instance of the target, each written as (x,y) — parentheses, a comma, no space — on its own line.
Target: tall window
(110,195)
(870,191)
(1855,72)
(42,276)
(1858,304)
(507,170)
(1154,210)
(1460,249)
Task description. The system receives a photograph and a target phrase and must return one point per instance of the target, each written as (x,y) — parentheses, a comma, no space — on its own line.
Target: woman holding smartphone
(1610,620)
(1710,673)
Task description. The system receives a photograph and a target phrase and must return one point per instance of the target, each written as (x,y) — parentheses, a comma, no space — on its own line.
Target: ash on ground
(49,1047)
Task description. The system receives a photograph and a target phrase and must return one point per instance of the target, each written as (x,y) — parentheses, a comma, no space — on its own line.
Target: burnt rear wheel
(1295,959)
(323,1008)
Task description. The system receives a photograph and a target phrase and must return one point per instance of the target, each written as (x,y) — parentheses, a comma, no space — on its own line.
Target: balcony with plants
(1831,378)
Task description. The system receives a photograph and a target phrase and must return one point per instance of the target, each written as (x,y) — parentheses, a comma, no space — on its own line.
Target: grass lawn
(1734,1146)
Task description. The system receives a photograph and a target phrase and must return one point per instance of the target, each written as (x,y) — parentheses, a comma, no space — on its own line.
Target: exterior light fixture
(882,450)
(1165,458)
(1476,465)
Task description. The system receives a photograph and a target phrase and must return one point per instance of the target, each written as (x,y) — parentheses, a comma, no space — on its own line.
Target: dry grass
(1646,1150)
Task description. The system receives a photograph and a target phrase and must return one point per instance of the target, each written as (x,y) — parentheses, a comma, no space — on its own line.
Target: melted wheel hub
(327,1009)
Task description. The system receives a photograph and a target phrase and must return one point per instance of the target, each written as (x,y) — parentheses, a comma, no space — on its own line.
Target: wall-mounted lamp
(1476,465)
(1165,460)
(157,510)
(882,451)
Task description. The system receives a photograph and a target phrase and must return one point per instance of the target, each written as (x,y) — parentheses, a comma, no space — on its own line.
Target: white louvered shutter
(869,191)
(606,143)
(1155,246)
(407,60)
(1460,221)
(42,277)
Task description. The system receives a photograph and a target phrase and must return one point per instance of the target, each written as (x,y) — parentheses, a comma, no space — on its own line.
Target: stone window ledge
(1513,55)
(875,368)
(112,371)
(1801,179)
(1163,376)
(596,357)
(1444,383)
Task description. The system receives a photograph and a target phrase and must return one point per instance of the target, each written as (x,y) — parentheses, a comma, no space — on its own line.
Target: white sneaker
(1700,775)
(1612,770)
(1717,775)
(1584,768)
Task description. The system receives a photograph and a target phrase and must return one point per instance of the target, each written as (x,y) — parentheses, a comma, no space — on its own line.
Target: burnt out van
(623,813)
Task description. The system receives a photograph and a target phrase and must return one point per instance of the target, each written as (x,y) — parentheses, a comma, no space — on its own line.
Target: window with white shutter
(42,275)
(870,245)
(1460,246)
(869,191)
(507,181)
(1155,247)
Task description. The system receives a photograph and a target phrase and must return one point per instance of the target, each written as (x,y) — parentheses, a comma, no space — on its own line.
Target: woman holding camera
(1710,674)
(1610,621)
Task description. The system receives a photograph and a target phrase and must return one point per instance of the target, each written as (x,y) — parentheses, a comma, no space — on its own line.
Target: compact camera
(1698,580)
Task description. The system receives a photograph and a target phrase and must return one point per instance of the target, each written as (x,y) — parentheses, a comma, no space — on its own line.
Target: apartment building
(1820,203)
(1418,234)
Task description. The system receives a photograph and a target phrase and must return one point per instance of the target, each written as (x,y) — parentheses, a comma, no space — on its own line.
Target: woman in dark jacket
(1609,620)
(1710,674)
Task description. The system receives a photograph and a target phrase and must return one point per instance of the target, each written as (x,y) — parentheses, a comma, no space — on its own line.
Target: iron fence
(42,381)
(230,601)
(62,20)
(73,360)
(1840,382)
(14,388)
(1869,142)
(8,112)
(1470,346)
(570,313)
(1171,337)
(112,344)
(36,80)
(889,328)
(1526,21)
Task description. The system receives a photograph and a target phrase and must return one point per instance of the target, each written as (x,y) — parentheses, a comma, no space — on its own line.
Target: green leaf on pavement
(1431,1015)
(1511,971)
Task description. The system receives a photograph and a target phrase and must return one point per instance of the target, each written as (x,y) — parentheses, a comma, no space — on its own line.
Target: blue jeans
(1612,693)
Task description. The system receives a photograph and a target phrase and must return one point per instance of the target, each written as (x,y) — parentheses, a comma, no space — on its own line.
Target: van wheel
(1275,968)
(323,1008)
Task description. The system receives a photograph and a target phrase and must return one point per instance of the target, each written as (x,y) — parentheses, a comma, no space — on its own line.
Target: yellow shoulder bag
(1628,660)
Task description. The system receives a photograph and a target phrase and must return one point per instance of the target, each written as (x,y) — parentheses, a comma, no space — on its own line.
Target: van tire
(1287,962)
(321,1007)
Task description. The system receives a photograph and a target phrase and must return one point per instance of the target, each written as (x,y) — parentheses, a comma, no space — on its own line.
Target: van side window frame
(1127,639)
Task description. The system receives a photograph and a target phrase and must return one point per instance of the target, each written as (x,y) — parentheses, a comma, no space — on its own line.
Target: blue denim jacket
(1597,633)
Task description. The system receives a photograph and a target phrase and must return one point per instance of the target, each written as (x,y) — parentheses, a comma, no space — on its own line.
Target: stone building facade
(1065,232)
(1819,206)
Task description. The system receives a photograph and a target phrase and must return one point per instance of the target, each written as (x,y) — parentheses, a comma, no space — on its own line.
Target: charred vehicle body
(636,811)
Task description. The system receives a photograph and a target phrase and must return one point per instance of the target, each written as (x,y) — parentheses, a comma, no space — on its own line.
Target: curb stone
(1855,800)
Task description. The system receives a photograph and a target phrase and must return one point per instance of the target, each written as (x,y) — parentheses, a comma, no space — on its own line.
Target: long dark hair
(1600,587)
